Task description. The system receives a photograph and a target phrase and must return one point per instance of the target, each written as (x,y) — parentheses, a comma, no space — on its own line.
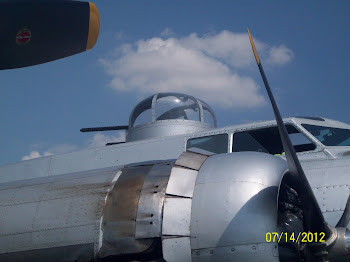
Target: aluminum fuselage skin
(31,191)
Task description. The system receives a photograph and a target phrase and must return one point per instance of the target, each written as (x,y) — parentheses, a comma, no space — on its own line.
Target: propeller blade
(345,218)
(104,128)
(314,219)
(35,32)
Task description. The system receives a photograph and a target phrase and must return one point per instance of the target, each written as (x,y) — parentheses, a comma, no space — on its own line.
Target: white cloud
(33,154)
(100,139)
(280,55)
(232,48)
(57,149)
(211,67)
(167,32)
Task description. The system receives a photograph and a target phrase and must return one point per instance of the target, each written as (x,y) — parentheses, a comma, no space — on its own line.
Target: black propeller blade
(104,128)
(35,32)
(345,218)
(314,219)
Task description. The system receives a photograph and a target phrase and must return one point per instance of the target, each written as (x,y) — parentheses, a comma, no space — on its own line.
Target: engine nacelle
(232,206)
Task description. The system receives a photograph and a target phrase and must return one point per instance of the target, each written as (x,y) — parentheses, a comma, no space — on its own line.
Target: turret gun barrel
(103,128)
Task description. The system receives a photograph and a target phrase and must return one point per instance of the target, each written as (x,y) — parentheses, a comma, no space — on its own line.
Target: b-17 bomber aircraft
(179,188)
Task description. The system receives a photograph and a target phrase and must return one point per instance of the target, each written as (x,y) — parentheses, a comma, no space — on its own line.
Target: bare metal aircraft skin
(179,188)
(203,194)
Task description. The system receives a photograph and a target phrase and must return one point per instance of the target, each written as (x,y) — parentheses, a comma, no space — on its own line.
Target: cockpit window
(330,136)
(268,140)
(176,106)
(217,143)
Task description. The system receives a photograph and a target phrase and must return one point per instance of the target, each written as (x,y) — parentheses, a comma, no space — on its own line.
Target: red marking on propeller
(23,36)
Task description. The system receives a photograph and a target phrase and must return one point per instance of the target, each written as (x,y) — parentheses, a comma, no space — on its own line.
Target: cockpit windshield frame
(331,136)
(267,139)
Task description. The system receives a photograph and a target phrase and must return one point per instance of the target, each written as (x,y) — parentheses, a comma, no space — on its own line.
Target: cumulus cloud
(232,48)
(99,139)
(167,32)
(213,67)
(60,149)
(280,55)
(57,149)
(33,154)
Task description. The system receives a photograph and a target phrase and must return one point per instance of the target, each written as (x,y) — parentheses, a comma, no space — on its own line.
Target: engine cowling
(232,207)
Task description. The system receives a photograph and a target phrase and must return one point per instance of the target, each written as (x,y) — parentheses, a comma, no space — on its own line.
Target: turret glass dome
(172,106)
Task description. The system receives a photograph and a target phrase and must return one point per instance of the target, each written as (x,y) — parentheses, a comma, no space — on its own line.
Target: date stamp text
(304,237)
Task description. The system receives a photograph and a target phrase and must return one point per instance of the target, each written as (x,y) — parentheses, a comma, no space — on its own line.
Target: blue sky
(195,46)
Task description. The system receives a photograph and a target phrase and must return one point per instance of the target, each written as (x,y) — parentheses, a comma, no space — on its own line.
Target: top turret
(166,114)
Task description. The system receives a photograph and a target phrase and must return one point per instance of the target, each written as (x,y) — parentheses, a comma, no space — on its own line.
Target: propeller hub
(338,244)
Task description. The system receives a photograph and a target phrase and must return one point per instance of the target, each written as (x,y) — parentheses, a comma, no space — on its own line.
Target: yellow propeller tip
(94,26)
(253,47)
